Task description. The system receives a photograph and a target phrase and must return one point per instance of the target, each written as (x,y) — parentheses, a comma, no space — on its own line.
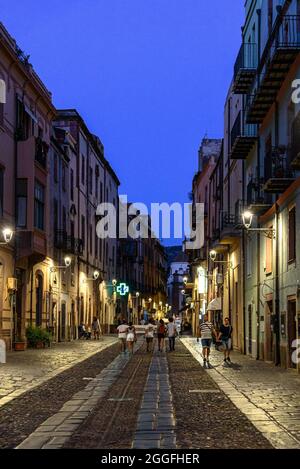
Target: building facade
(25,134)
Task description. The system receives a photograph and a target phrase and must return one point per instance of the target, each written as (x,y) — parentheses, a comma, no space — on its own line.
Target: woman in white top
(131,338)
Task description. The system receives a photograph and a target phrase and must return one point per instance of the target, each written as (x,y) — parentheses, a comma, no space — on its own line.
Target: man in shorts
(122,335)
(206,330)
(225,335)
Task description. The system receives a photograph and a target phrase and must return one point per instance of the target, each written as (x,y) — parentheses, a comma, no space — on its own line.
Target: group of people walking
(128,337)
(206,332)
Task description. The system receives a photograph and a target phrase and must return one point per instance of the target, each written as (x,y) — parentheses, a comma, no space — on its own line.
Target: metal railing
(277,164)
(68,244)
(241,129)
(247,58)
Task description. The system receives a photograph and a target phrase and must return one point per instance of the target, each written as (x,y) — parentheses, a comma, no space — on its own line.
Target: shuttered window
(269,255)
(292,234)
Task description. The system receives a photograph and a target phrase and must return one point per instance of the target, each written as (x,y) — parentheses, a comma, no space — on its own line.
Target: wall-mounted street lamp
(213,257)
(68,262)
(185,280)
(137,295)
(95,276)
(7,235)
(247,218)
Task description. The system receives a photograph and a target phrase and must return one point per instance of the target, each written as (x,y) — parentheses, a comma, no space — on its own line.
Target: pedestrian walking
(122,335)
(161,334)
(171,327)
(149,335)
(225,335)
(96,328)
(207,331)
(131,338)
(142,321)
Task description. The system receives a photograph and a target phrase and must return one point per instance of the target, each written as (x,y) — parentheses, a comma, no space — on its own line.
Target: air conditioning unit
(12,284)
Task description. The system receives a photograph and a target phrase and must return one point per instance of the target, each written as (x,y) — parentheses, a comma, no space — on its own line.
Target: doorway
(63,322)
(39,301)
(250,329)
(269,341)
(19,303)
(292,330)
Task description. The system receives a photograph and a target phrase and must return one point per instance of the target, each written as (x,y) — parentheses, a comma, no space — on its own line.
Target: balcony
(243,138)
(258,202)
(245,68)
(229,228)
(68,244)
(294,147)
(31,245)
(280,53)
(278,172)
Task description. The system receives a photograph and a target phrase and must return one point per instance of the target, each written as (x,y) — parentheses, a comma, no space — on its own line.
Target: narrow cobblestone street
(269,396)
(104,399)
(25,370)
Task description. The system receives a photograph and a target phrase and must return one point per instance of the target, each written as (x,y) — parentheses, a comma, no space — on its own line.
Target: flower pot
(40,345)
(20,346)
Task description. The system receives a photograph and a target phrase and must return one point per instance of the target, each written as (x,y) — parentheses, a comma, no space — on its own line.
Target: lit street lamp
(68,262)
(213,257)
(7,235)
(247,218)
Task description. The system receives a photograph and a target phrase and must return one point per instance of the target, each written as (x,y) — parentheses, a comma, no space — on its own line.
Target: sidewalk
(269,396)
(26,370)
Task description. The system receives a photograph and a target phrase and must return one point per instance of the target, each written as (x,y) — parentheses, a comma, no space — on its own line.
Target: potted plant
(20,345)
(37,337)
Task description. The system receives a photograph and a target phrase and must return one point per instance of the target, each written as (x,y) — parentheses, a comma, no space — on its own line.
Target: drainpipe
(258,235)
(277,302)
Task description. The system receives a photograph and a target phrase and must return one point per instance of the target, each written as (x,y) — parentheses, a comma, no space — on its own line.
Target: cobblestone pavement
(113,422)
(205,417)
(156,422)
(25,370)
(267,395)
(22,415)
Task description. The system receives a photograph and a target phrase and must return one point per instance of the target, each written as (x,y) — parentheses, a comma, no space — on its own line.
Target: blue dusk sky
(149,77)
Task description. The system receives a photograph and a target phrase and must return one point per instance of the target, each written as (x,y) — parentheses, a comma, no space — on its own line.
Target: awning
(215,305)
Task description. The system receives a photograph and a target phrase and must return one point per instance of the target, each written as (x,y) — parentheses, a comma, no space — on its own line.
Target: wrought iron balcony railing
(243,138)
(68,244)
(279,174)
(279,54)
(245,67)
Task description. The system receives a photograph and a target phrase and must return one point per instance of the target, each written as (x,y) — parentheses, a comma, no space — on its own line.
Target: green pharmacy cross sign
(122,289)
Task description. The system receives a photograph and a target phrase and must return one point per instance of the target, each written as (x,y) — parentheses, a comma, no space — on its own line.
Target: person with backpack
(225,335)
(161,334)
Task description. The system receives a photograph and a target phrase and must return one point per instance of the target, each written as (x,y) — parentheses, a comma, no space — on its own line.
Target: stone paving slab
(261,391)
(26,370)
(156,422)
